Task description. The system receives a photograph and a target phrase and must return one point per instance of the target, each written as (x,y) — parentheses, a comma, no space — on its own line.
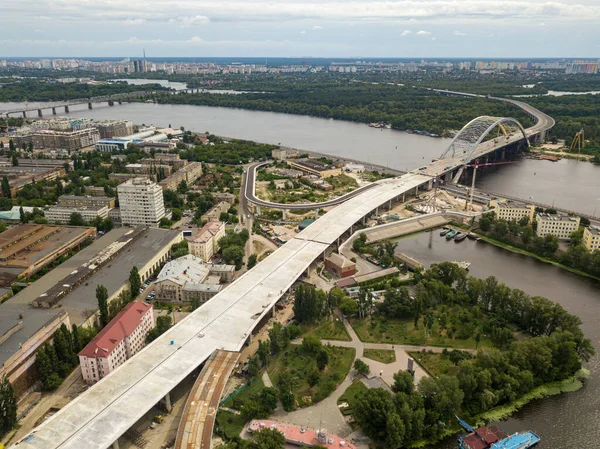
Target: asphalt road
(249,185)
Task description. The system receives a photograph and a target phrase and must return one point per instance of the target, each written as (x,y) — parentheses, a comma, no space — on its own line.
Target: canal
(566,421)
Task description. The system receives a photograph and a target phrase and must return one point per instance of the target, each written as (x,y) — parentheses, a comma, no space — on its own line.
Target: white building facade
(141,202)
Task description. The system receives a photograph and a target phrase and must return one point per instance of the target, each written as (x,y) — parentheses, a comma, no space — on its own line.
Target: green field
(380,355)
(253,388)
(377,329)
(330,330)
(229,425)
(350,395)
(434,363)
(300,364)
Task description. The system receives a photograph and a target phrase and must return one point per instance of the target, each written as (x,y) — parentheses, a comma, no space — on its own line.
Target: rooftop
(121,326)
(340,261)
(185,269)
(555,217)
(208,231)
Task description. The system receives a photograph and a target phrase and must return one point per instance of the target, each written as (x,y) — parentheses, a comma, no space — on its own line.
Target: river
(568,183)
(566,421)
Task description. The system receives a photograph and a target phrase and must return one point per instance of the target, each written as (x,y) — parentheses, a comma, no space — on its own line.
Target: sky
(301,28)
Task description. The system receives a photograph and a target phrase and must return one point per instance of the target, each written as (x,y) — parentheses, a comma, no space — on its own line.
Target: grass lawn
(330,330)
(253,388)
(300,364)
(380,355)
(378,329)
(434,364)
(350,395)
(229,424)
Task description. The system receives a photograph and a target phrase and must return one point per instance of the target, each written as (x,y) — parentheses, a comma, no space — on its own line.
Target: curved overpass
(250,193)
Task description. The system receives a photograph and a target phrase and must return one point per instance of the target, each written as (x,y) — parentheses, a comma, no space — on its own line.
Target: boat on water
(451,234)
(472,236)
(494,437)
(460,237)
(462,264)
(444,232)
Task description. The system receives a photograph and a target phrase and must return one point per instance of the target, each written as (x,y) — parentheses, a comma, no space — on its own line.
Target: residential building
(18,177)
(166,159)
(214,213)
(591,238)
(279,154)
(224,196)
(206,242)
(116,128)
(141,202)
(93,201)
(62,214)
(560,226)
(315,167)
(120,340)
(188,278)
(340,265)
(95,191)
(190,173)
(69,140)
(509,210)
(149,169)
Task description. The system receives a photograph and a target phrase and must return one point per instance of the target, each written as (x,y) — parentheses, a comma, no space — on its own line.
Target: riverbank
(505,411)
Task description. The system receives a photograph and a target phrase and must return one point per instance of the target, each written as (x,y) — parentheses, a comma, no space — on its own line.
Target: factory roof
(185,269)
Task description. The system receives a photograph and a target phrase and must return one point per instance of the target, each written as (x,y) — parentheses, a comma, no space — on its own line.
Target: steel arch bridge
(466,141)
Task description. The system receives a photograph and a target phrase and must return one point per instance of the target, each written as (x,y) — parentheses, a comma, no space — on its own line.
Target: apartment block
(591,238)
(190,173)
(87,201)
(120,340)
(509,210)
(141,202)
(62,214)
(560,226)
(206,242)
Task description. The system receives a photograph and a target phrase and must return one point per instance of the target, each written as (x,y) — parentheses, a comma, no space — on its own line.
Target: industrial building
(510,210)
(340,265)
(117,342)
(73,283)
(141,202)
(62,214)
(591,238)
(190,173)
(188,278)
(18,177)
(560,226)
(315,167)
(206,242)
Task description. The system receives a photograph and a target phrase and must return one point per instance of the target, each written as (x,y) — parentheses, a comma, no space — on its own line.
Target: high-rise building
(141,202)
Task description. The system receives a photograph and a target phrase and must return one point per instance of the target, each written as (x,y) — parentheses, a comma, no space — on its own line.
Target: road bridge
(110,99)
(98,417)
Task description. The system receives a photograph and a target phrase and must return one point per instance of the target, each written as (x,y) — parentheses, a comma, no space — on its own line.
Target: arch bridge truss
(465,143)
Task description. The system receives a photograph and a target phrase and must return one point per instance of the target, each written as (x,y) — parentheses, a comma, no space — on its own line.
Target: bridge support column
(40,113)
(53,111)
(67,109)
(115,444)
(316,213)
(120,102)
(111,103)
(390,205)
(24,114)
(403,197)
(90,105)
(416,191)
(258,210)
(283,214)
(168,405)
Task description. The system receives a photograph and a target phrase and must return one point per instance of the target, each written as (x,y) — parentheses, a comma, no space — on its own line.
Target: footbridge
(102,414)
(110,99)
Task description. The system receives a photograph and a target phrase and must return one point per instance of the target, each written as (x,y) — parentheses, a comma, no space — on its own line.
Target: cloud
(423,33)
(405,33)
(134,21)
(188,22)
(317,27)
(302,32)
(459,33)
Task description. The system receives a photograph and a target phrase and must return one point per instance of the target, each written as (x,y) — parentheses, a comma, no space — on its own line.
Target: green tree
(11,146)
(76,339)
(311,344)
(15,159)
(163,323)
(233,255)
(268,439)
(251,261)
(102,298)
(6,187)
(485,224)
(8,407)
(22,215)
(371,410)
(322,359)
(76,219)
(263,351)
(268,399)
(361,367)
(135,283)
(403,382)
(395,431)
(313,378)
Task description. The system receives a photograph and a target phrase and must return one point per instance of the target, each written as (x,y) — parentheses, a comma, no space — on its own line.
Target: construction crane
(578,141)
(471,191)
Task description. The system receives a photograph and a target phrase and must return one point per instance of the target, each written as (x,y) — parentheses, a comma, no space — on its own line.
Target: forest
(36,90)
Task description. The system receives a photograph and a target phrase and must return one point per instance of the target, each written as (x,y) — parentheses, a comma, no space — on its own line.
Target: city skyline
(294,28)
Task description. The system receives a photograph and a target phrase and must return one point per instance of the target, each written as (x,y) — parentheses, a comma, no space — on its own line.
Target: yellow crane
(578,141)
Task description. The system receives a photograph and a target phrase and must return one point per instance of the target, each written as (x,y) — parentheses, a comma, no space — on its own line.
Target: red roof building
(120,339)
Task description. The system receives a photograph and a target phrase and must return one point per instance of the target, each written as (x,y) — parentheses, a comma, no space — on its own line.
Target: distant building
(120,340)
(279,154)
(288,173)
(315,167)
(214,213)
(190,173)
(354,168)
(141,202)
(560,226)
(93,201)
(69,140)
(340,265)
(95,191)
(206,242)
(149,169)
(62,214)
(117,128)
(591,238)
(224,196)
(509,210)
(166,159)
(108,145)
